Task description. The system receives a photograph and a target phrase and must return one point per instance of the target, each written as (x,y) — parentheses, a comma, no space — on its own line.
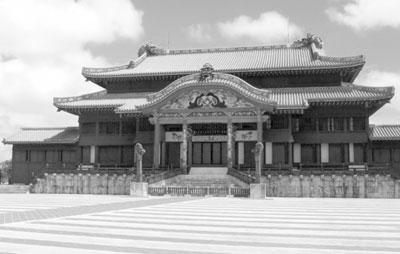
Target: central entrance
(209,153)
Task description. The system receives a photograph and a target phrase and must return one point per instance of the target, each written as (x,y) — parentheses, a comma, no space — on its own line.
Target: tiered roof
(384,132)
(297,58)
(284,98)
(61,135)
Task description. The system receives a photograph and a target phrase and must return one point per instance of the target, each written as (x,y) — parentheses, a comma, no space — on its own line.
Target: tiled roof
(283,98)
(384,132)
(62,135)
(100,99)
(302,96)
(229,60)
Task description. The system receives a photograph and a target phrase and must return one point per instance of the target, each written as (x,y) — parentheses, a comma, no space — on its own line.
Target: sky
(45,43)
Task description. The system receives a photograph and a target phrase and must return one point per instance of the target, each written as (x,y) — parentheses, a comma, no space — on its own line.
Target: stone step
(9,188)
(208,171)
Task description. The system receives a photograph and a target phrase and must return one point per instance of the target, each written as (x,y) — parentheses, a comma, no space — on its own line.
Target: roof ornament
(151,49)
(206,73)
(308,41)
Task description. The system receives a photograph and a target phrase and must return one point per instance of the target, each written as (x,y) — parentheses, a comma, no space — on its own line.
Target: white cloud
(269,28)
(367,14)
(390,113)
(200,32)
(43,46)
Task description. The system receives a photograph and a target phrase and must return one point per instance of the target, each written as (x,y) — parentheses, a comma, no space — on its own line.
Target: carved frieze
(214,98)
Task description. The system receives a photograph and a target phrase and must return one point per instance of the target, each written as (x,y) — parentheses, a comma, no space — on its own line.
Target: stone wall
(318,186)
(346,186)
(83,184)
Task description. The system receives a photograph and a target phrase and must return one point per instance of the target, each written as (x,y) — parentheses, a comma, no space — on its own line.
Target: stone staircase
(202,178)
(14,188)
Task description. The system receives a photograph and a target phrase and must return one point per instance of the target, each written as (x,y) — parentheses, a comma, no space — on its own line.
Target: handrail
(241,176)
(163,176)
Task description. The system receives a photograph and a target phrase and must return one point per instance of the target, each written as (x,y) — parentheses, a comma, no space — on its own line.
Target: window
(145,125)
(279,122)
(381,155)
(279,153)
(396,154)
(338,123)
(336,153)
(109,128)
(307,124)
(308,153)
(323,124)
(19,156)
(359,153)
(109,155)
(37,156)
(129,128)
(127,154)
(88,128)
(357,123)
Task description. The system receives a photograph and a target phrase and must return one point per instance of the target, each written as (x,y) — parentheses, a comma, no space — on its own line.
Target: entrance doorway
(209,153)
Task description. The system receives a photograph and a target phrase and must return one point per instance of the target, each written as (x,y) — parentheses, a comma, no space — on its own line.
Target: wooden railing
(162,176)
(198,191)
(241,176)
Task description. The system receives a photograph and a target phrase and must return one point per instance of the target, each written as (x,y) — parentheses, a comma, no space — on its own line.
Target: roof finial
(206,72)
(308,41)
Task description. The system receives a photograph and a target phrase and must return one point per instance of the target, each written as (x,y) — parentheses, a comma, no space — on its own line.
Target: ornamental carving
(310,39)
(214,98)
(206,73)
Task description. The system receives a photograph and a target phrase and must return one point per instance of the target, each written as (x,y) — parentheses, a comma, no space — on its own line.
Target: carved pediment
(214,98)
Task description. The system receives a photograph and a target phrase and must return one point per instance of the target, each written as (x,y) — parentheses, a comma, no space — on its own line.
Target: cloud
(200,32)
(269,28)
(43,47)
(390,113)
(367,14)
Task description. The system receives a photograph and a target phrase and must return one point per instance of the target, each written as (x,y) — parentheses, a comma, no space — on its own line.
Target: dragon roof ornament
(308,41)
(151,49)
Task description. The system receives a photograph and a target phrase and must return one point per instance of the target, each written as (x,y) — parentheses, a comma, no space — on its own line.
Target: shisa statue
(139,151)
(258,149)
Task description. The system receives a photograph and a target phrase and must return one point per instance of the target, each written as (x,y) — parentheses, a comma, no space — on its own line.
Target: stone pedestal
(139,189)
(258,190)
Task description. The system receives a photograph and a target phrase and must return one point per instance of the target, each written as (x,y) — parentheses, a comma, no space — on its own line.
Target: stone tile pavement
(121,224)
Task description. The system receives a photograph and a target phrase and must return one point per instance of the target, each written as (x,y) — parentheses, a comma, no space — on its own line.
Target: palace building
(208,107)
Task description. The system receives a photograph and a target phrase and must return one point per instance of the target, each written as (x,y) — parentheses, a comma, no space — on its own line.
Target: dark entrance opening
(209,153)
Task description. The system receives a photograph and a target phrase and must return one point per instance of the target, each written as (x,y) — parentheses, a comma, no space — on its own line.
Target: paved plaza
(120,224)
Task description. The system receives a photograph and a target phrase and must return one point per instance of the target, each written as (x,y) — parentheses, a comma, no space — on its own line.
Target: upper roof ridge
(226,49)
(47,128)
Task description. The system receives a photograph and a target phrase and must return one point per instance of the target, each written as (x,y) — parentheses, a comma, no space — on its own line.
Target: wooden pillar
(290,154)
(351,152)
(290,143)
(229,144)
(156,157)
(184,149)
(163,153)
(260,135)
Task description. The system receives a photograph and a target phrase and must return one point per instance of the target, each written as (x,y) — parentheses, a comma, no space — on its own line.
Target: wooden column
(260,135)
(184,149)
(229,144)
(156,157)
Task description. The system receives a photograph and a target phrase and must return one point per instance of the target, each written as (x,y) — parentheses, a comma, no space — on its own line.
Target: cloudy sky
(45,43)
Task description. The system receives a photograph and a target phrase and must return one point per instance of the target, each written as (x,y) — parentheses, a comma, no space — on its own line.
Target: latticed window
(358,123)
(145,125)
(323,124)
(109,128)
(338,123)
(279,122)
(129,128)
(307,124)
(88,128)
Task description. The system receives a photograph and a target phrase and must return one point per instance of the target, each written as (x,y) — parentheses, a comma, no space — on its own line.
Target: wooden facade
(306,112)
